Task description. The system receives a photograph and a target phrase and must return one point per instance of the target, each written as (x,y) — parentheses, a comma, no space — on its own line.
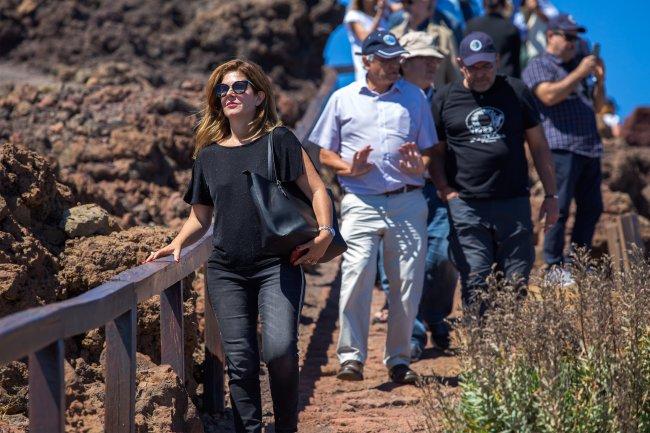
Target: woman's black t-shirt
(218,180)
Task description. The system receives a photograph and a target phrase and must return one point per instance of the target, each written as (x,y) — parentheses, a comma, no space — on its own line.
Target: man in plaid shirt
(568,104)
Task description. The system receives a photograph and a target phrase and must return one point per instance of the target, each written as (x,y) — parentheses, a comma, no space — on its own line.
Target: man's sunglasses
(481,66)
(568,37)
(238,87)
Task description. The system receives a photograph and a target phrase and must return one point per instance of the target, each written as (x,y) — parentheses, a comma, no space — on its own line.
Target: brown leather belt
(407,188)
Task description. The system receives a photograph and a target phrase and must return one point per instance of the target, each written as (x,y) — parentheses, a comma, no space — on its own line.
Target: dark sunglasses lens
(221,90)
(239,87)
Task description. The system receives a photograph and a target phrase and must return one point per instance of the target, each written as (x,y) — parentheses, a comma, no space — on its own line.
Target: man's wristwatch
(550,196)
(330,229)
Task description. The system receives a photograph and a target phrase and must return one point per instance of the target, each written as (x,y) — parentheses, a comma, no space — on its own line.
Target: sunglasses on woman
(238,87)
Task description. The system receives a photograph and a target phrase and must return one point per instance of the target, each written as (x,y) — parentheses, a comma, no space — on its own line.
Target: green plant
(571,360)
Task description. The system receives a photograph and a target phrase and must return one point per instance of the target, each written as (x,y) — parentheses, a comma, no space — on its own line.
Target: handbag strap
(271,168)
(270,165)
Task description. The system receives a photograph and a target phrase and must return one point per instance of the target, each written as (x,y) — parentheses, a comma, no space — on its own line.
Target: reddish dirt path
(375,405)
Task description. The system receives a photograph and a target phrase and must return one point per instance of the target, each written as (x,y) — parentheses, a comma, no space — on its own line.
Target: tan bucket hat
(419,44)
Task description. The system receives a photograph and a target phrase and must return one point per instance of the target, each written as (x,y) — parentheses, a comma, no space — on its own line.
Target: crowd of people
(517,27)
(493,79)
(429,145)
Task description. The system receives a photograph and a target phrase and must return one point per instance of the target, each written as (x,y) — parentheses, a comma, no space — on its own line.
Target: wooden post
(120,373)
(171,329)
(623,235)
(47,390)
(213,383)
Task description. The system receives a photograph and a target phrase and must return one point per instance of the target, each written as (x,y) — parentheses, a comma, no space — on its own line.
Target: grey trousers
(275,294)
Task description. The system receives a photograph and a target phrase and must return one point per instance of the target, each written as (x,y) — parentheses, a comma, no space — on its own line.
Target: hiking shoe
(557,275)
(351,370)
(440,335)
(402,374)
(416,351)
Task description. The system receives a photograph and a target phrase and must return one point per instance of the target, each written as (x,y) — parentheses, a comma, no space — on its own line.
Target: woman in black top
(242,280)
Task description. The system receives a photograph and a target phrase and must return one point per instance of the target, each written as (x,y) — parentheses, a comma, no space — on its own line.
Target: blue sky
(623,29)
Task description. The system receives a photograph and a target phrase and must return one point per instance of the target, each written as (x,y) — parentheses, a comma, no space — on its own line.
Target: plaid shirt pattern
(571,124)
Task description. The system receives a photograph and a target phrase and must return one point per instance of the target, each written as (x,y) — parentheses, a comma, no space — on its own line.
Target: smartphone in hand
(596,50)
(296,254)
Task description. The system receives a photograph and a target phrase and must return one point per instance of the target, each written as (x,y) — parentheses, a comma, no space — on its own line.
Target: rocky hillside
(167,39)
(125,85)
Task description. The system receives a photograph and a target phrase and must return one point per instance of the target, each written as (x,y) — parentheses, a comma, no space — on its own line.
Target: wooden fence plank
(614,246)
(27,331)
(120,373)
(171,329)
(148,283)
(213,381)
(623,236)
(24,332)
(631,232)
(47,390)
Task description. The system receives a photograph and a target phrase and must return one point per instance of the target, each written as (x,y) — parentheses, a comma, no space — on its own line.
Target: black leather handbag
(286,214)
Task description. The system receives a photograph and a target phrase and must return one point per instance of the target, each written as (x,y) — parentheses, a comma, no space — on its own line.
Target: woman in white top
(362,18)
(532,18)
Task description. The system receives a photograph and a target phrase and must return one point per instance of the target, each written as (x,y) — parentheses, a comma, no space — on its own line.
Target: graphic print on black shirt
(485,135)
(485,123)
(218,180)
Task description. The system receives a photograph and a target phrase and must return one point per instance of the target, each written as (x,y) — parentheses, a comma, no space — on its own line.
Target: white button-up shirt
(355,117)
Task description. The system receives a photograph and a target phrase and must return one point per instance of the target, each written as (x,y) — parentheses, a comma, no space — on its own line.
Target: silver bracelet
(330,229)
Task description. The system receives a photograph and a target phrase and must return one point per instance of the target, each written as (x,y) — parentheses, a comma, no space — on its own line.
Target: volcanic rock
(162,402)
(89,261)
(636,128)
(630,173)
(32,203)
(86,220)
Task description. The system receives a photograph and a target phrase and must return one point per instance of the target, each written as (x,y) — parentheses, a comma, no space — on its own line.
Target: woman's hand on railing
(173,248)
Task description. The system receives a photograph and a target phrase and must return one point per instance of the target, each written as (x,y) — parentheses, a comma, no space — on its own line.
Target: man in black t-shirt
(480,167)
(505,35)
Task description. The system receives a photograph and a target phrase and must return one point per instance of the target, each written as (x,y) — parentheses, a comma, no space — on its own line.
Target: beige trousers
(399,220)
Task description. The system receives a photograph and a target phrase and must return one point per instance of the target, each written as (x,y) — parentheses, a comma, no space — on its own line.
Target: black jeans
(275,293)
(578,177)
(485,232)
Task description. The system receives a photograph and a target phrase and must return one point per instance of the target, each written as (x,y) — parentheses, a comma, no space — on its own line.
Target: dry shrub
(564,360)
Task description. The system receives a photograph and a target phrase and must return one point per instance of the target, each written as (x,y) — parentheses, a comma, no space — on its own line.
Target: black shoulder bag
(286,214)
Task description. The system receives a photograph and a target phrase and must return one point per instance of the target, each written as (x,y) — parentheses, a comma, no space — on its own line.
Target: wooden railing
(39,333)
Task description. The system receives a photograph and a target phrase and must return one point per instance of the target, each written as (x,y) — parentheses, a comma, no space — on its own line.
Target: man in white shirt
(377,136)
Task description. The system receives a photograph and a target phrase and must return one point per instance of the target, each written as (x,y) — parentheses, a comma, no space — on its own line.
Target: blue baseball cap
(565,23)
(477,47)
(383,44)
